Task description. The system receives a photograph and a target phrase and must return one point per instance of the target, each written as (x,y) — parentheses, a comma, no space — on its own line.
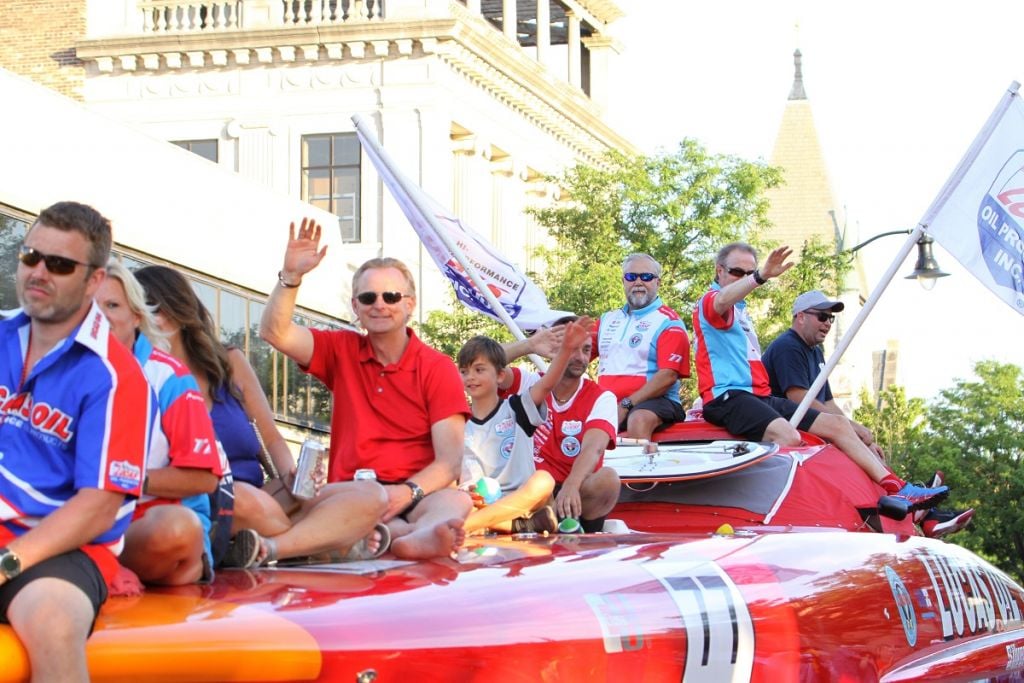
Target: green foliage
(976,436)
(898,424)
(818,267)
(680,207)
(974,433)
(448,330)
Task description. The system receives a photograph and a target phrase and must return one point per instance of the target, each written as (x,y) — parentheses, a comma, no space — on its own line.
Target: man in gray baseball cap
(793,362)
(814,300)
(795,358)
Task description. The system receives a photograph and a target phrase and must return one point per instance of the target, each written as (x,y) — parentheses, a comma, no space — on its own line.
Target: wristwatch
(417,492)
(10,564)
(626,403)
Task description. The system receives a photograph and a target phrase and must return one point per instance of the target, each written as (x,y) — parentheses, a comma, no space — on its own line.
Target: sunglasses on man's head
(58,265)
(739,272)
(645,277)
(369,298)
(822,316)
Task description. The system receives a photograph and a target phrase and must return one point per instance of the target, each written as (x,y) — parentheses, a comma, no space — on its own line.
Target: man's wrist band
(286,285)
(758,279)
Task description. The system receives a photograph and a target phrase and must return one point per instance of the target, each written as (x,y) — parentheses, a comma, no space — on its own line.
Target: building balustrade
(164,16)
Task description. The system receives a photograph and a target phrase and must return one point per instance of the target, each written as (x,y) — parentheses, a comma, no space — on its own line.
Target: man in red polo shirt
(399,406)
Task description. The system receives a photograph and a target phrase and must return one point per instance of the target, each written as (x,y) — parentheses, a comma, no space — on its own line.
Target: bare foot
(440,540)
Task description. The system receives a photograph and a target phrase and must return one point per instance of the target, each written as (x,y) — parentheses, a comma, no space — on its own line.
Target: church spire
(797,93)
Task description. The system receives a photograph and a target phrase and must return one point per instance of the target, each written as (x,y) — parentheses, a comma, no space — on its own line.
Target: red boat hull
(783,601)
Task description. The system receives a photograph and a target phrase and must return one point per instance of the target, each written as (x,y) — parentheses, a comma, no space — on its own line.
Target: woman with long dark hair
(166,542)
(339,517)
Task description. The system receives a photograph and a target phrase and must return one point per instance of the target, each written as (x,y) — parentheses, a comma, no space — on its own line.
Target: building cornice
(467,43)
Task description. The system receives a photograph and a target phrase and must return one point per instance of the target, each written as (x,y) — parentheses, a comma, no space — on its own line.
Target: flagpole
(851,332)
(980,140)
(414,193)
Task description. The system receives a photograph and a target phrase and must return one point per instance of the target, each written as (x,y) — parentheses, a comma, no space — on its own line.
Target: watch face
(10,564)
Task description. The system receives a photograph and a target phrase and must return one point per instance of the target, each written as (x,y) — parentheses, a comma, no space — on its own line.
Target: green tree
(448,330)
(681,207)
(975,435)
(898,424)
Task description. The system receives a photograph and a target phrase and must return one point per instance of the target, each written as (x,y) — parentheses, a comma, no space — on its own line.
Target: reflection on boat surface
(766,572)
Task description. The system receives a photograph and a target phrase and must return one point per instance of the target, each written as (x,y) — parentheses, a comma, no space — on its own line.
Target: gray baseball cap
(816,300)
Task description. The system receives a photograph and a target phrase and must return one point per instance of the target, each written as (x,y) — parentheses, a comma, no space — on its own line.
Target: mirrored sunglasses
(370,298)
(645,277)
(58,265)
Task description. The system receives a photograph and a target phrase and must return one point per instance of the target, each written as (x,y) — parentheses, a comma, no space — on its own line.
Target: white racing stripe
(719,631)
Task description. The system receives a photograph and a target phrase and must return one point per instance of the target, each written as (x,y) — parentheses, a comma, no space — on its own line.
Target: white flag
(978,216)
(455,249)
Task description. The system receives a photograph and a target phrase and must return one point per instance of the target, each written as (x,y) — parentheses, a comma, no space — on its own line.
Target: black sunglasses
(645,277)
(739,272)
(822,316)
(58,265)
(369,298)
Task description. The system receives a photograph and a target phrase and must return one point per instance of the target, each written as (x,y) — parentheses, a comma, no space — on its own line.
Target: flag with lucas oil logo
(978,216)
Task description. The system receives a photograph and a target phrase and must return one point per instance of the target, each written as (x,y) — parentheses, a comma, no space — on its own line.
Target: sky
(898,91)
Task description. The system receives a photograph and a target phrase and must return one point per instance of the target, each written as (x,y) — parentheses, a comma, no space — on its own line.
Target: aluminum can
(311,469)
(365,474)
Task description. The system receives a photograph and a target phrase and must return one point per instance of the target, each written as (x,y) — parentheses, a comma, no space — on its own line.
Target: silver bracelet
(286,285)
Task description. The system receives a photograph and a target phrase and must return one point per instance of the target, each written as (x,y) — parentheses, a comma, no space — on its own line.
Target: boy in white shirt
(499,436)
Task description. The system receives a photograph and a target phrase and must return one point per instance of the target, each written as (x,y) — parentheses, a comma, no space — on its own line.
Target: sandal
(268,552)
(360,550)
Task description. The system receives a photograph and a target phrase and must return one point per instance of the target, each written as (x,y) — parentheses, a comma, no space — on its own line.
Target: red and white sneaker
(941,523)
(937,480)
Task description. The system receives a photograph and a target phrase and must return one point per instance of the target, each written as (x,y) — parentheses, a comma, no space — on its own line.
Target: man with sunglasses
(734,385)
(643,350)
(75,415)
(795,358)
(399,405)
(793,362)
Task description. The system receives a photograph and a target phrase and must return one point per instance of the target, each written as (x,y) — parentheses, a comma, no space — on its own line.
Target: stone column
(510,20)
(543,31)
(509,233)
(574,49)
(601,49)
(472,191)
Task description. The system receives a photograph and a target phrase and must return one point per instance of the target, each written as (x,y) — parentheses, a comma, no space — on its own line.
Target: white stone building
(477,100)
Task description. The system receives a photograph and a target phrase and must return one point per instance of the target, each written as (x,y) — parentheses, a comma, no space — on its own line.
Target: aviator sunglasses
(369,298)
(58,265)
(632,277)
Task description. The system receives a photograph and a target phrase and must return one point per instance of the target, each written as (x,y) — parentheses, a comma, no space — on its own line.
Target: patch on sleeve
(124,474)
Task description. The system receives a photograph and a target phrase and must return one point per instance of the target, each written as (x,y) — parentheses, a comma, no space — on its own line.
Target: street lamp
(926,270)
